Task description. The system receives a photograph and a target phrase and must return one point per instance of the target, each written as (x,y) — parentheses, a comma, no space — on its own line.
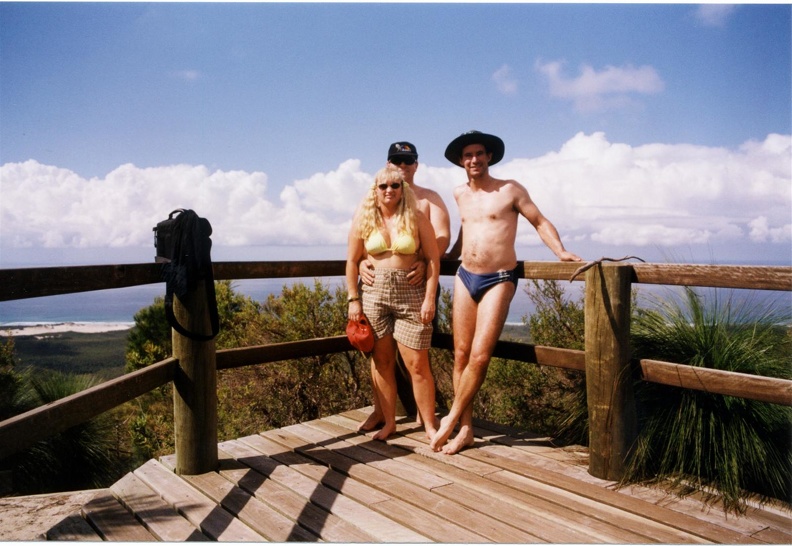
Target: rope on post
(589,265)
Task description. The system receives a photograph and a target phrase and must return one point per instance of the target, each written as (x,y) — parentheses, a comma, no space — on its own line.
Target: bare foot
(418,419)
(373,421)
(442,434)
(385,432)
(431,430)
(462,440)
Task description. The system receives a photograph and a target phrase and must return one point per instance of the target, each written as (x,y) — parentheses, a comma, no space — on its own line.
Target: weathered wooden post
(195,386)
(609,379)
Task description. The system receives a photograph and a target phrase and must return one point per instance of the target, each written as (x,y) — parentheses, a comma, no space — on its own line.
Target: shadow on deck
(321,481)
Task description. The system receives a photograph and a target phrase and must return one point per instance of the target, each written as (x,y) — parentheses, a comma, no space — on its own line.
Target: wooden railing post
(195,387)
(609,379)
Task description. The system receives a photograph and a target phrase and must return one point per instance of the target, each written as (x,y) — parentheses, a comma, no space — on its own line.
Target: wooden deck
(321,481)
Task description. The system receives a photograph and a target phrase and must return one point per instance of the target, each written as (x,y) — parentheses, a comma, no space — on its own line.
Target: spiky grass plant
(83,456)
(725,445)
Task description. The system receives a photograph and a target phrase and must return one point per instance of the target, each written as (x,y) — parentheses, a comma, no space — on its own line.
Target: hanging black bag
(184,248)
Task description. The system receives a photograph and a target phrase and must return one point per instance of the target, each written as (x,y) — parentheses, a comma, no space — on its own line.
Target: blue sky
(659,130)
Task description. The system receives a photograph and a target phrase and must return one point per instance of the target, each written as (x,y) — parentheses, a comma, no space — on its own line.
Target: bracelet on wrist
(355,298)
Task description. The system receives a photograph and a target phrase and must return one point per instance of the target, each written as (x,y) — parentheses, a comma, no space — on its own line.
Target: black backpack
(184,248)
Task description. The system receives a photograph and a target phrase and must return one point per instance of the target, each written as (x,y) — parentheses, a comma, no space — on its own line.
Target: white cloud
(661,194)
(504,80)
(714,15)
(761,232)
(609,88)
(593,190)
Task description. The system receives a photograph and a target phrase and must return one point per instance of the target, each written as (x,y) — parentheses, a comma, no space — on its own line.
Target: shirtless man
(487,279)
(404,157)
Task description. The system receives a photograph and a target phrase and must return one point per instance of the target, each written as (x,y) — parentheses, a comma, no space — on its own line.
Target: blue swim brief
(477,284)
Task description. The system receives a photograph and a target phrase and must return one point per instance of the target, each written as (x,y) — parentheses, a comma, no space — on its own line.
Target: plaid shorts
(393,306)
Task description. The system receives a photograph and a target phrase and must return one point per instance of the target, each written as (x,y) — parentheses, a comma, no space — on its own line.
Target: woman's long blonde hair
(370,218)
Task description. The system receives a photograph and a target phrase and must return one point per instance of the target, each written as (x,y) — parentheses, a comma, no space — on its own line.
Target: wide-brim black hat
(493,144)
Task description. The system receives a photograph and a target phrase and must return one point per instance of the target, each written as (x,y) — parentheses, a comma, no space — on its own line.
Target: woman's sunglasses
(394,186)
(406,160)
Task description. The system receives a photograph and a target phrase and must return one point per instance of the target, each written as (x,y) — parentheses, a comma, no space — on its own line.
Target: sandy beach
(52,328)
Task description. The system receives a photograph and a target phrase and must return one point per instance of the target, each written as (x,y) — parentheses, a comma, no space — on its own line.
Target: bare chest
(485,208)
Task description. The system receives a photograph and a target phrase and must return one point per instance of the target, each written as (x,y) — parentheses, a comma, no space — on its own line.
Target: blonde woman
(390,231)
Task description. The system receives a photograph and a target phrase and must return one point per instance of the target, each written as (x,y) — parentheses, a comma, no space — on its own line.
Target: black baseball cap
(402,148)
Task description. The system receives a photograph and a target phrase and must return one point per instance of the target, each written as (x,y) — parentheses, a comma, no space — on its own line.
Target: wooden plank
(370,521)
(551,271)
(407,433)
(552,514)
(646,529)
(656,513)
(320,473)
(716,276)
(587,508)
(214,521)
(592,507)
(522,516)
(774,536)
(160,518)
(278,269)
(426,480)
(764,514)
(523,352)
(73,528)
(113,522)
(543,459)
(253,477)
(276,352)
(692,505)
(463,516)
(755,518)
(458,526)
(434,527)
(22,431)
(394,446)
(549,518)
(34,282)
(46,281)
(696,505)
(259,516)
(754,387)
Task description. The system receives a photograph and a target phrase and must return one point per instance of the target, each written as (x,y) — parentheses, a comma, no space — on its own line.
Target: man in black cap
(403,156)
(486,281)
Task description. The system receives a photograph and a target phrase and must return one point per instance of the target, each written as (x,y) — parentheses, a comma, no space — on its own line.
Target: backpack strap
(211,298)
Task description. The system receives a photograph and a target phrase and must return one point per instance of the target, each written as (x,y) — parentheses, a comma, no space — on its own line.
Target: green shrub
(723,444)
(83,456)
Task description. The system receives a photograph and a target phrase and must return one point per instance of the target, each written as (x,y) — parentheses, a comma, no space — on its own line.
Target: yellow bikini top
(403,244)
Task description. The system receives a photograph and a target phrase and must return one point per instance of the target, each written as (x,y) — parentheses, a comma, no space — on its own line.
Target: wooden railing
(606,359)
